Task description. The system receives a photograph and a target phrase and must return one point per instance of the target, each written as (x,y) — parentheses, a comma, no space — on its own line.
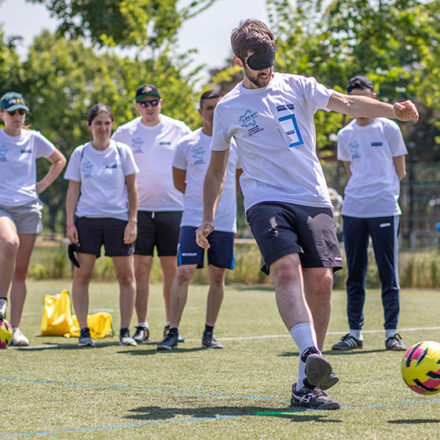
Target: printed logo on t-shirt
(87,169)
(376,144)
(26,151)
(284,108)
(164,143)
(354,150)
(112,166)
(3,151)
(197,154)
(137,143)
(249,120)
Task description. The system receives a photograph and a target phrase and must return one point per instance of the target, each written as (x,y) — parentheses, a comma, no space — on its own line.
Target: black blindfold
(260,61)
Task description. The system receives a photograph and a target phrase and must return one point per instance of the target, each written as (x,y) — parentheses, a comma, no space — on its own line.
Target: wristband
(70,226)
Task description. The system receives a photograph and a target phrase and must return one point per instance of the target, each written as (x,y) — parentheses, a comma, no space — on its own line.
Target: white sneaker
(3,308)
(19,339)
(125,338)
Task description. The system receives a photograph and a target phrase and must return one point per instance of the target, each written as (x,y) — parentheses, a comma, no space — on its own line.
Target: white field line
(239,338)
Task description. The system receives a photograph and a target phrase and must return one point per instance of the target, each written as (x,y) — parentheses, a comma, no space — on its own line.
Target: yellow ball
(421,367)
(5,333)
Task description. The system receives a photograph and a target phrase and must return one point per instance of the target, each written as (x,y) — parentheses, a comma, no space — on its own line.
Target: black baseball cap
(359,82)
(13,101)
(146,90)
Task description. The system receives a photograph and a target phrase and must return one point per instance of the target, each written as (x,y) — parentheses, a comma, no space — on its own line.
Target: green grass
(240,392)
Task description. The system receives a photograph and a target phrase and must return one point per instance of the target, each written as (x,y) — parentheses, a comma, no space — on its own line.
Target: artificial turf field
(56,390)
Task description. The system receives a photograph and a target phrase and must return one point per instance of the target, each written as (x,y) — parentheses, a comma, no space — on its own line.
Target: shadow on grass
(158,413)
(413,421)
(151,351)
(71,346)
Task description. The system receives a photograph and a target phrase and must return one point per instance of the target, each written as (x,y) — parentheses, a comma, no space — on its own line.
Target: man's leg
(178,297)
(215,293)
(318,283)
(384,233)
(142,270)
(288,282)
(169,270)
(356,249)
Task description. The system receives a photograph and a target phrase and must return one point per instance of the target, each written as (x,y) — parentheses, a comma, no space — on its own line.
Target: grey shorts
(27,218)
(285,228)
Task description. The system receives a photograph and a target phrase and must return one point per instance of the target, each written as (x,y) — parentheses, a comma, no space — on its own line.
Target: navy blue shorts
(95,232)
(220,254)
(158,229)
(285,228)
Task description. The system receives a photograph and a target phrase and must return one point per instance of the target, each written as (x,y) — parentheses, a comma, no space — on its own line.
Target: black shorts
(160,229)
(220,254)
(285,228)
(95,232)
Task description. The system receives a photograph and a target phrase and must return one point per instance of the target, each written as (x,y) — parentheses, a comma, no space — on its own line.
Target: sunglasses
(21,111)
(146,104)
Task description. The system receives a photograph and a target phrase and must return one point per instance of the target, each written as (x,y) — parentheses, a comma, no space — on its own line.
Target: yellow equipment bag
(57,315)
(57,319)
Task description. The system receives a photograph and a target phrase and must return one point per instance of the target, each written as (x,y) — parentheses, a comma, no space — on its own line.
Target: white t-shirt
(18,169)
(153,149)
(373,189)
(275,134)
(193,155)
(102,176)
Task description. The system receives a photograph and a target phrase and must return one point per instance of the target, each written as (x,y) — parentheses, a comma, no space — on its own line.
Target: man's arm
(365,107)
(399,165)
(212,188)
(347,167)
(179,179)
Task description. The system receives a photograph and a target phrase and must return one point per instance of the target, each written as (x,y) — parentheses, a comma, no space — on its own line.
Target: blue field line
(138,388)
(124,425)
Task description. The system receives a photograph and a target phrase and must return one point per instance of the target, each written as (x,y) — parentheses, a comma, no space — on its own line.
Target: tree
(141,23)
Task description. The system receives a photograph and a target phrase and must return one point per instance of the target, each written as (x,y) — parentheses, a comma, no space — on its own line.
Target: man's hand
(405,111)
(202,232)
(130,232)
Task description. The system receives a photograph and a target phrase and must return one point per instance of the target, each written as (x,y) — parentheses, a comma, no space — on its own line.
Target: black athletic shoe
(395,343)
(85,340)
(348,342)
(141,335)
(169,342)
(313,398)
(318,370)
(209,341)
(180,337)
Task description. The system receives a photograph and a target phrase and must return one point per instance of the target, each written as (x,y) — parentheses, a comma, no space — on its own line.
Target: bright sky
(209,32)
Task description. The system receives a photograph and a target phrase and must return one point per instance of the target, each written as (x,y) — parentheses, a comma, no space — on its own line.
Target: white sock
(390,333)
(143,324)
(356,334)
(304,335)
(167,323)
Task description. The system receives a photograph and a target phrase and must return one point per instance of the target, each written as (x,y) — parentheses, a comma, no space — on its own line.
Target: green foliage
(142,23)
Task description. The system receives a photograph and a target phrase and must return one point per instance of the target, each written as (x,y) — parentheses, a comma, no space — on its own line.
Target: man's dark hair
(251,35)
(210,94)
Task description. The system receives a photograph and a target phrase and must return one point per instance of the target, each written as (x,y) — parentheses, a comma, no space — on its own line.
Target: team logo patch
(249,120)
(354,150)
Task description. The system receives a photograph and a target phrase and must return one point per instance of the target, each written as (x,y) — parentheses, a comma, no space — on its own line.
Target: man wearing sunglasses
(153,138)
(270,116)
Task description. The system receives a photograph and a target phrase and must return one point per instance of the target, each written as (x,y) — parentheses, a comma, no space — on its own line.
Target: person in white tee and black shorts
(271,117)
(190,162)
(101,208)
(20,205)
(153,138)
(373,153)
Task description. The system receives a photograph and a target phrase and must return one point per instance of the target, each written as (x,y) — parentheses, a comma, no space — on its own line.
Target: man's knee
(184,274)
